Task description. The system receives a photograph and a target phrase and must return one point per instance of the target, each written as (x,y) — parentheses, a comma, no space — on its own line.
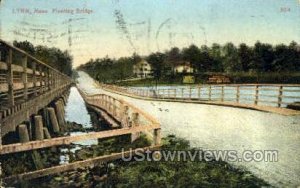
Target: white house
(183,67)
(142,69)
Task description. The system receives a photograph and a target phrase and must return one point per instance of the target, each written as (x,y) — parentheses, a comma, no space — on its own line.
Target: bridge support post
(222,93)
(237,94)
(46,133)
(157,136)
(38,127)
(64,99)
(23,133)
(53,120)
(135,123)
(59,113)
(256,94)
(34,78)
(124,116)
(280,96)
(62,105)
(41,79)
(10,78)
(24,77)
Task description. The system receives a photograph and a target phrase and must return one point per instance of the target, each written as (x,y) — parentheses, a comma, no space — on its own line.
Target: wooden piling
(59,114)
(135,123)
(30,129)
(64,99)
(46,117)
(62,107)
(53,120)
(124,117)
(23,133)
(156,137)
(46,133)
(38,124)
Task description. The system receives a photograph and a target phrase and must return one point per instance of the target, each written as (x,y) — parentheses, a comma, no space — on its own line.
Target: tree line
(261,57)
(54,57)
(110,70)
(228,58)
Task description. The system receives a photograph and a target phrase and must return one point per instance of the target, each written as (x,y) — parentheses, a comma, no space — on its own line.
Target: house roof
(179,63)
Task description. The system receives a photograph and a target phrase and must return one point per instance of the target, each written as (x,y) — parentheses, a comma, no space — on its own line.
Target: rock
(58,178)
(104,177)
(97,178)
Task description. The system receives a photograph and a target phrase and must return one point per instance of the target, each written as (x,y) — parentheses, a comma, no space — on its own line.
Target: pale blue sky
(151,25)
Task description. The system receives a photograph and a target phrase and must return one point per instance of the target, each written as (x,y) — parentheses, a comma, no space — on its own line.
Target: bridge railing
(277,95)
(22,76)
(128,115)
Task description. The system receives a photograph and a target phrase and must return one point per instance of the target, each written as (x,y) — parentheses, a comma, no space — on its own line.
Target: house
(142,69)
(183,67)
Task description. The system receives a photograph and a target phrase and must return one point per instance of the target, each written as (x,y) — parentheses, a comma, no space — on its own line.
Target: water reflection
(76,110)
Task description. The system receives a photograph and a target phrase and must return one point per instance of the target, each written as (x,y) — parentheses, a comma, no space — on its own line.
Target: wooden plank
(13,148)
(16,68)
(3,66)
(78,164)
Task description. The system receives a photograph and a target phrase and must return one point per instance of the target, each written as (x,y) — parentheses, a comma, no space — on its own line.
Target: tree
(54,57)
(245,56)
(192,55)
(231,61)
(205,60)
(286,58)
(263,57)
(157,62)
(26,46)
(216,55)
(136,58)
(174,55)
(294,48)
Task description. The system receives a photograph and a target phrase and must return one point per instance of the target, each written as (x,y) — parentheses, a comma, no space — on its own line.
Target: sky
(116,28)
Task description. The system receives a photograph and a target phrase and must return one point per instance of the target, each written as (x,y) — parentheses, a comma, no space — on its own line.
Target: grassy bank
(150,174)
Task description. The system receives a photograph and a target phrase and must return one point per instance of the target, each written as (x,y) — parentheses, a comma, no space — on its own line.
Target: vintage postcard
(150,93)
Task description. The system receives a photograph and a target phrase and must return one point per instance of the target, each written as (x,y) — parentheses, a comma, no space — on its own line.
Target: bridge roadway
(226,128)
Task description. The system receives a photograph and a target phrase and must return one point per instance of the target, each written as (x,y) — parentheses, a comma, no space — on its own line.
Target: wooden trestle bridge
(32,95)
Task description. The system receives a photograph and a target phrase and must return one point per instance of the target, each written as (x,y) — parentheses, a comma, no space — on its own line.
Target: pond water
(76,111)
(224,128)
